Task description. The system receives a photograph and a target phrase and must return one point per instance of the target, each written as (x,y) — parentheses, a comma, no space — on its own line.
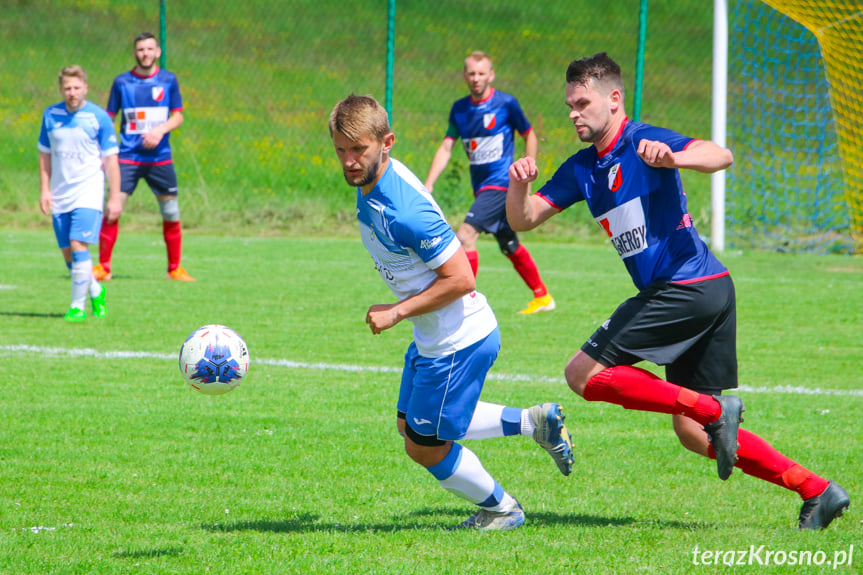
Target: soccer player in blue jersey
(152,108)
(684,315)
(486,121)
(77,151)
(456,338)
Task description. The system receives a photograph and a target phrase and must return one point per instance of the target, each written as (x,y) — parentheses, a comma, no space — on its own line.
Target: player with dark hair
(77,151)
(684,315)
(486,121)
(456,338)
(152,107)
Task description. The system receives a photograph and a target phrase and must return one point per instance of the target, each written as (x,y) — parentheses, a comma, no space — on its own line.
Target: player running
(684,315)
(152,108)
(456,338)
(485,121)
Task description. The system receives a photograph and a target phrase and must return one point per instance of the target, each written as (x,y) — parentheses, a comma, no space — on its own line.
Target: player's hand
(45,202)
(523,170)
(113,210)
(152,138)
(656,154)
(381,317)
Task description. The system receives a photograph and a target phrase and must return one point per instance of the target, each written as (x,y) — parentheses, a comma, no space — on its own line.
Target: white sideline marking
(87,352)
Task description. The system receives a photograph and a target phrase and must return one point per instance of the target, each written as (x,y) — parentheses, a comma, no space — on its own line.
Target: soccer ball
(214,359)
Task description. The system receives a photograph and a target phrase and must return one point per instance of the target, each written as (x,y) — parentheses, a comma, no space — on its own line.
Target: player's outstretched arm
(455,279)
(701,155)
(439,162)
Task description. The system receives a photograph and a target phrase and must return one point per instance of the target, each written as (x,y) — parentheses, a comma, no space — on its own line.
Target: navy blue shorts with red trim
(691,329)
(162,178)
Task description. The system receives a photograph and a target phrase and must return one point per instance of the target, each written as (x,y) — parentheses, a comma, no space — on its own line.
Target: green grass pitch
(110,464)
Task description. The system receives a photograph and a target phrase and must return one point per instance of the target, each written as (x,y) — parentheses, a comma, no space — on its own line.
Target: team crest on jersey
(158,93)
(614,178)
(489,121)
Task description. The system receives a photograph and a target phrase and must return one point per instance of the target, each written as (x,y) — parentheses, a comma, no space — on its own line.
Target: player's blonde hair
(72,72)
(359,116)
(478,56)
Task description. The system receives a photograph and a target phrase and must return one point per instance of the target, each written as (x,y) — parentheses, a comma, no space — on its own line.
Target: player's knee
(508,242)
(170,210)
(575,378)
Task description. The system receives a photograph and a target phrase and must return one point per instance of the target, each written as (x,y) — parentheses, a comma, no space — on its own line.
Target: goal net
(795,124)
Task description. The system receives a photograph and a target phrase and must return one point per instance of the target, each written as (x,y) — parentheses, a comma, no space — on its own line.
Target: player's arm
(45,199)
(455,280)
(154,136)
(700,155)
(531,143)
(439,162)
(525,211)
(114,206)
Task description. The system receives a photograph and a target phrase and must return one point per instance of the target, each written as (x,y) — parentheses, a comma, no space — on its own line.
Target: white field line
(6,350)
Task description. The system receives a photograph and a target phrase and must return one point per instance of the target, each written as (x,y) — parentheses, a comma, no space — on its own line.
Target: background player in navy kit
(152,107)
(456,338)
(485,121)
(684,315)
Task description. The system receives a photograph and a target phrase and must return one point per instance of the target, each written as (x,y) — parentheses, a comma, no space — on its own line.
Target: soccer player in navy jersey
(456,337)
(486,121)
(152,107)
(77,152)
(684,315)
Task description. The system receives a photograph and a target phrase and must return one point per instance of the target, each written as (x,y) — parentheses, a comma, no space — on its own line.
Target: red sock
(759,459)
(107,239)
(473,258)
(636,388)
(174,242)
(526,268)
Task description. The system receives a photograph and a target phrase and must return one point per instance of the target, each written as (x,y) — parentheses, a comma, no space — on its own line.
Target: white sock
(486,422)
(527,426)
(470,480)
(95,286)
(81,275)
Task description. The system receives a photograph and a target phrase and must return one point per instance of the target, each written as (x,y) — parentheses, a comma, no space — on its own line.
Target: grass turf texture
(114,465)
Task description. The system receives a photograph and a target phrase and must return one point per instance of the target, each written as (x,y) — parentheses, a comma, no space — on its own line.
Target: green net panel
(795,83)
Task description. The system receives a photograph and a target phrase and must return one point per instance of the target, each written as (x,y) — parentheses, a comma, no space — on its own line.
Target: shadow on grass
(150,553)
(310,523)
(30,314)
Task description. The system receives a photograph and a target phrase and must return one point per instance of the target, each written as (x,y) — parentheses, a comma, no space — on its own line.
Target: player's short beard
(141,63)
(370,176)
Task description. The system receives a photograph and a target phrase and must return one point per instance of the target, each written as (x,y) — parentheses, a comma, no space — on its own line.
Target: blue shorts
(81,224)
(162,178)
(438,395)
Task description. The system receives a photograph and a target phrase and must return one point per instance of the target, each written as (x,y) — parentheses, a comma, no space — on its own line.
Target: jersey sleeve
(674,140)
(563,189)
(428,234)
(517,118)
(107,136)
(452,129)
(44,141)
(176,98)
(114,100)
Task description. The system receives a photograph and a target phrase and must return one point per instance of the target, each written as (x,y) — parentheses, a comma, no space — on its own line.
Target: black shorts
(691,329)
(162,178)
(488,213)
